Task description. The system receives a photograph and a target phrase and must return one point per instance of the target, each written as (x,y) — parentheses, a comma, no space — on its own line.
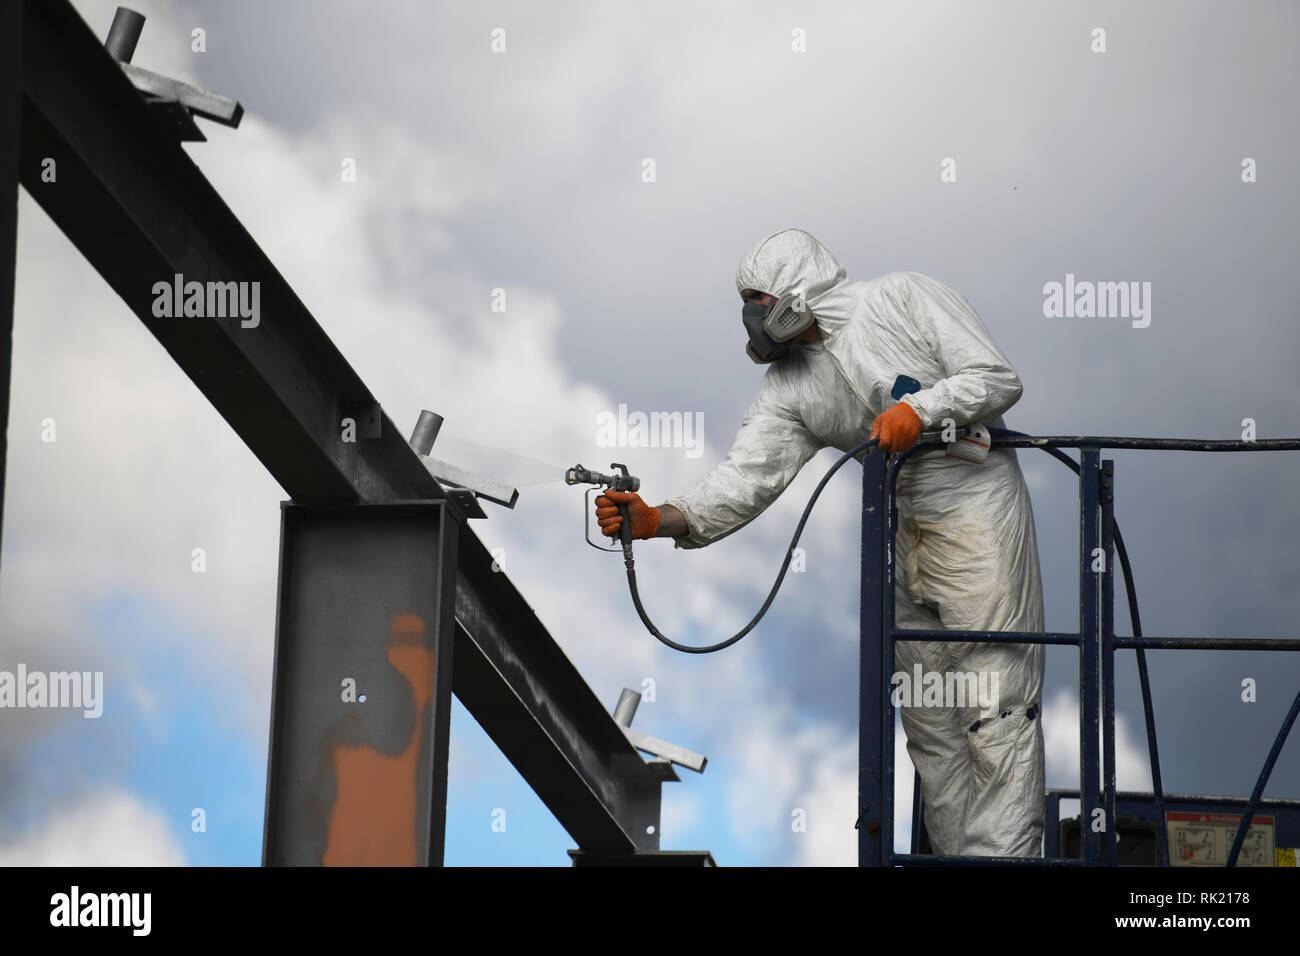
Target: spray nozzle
(578,475)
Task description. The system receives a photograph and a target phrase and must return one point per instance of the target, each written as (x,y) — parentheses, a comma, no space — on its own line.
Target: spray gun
(578,475)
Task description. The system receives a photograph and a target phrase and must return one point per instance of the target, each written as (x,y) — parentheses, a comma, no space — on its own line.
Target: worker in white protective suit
(890,357)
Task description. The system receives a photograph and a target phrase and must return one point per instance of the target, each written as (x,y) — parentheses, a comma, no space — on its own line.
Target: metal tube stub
(124,34)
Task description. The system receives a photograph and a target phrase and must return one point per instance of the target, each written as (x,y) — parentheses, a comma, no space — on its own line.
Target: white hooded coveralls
(966,555)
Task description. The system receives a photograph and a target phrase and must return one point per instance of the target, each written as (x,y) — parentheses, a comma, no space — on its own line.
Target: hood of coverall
(792,260)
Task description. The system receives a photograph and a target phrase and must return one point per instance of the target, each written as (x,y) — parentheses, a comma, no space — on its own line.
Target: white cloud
(110,829)
(679,810)
(1061,742)
(809,768)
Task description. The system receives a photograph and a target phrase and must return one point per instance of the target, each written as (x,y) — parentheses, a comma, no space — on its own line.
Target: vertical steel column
(872,699)
(1089,653)
(361,697)
(11,105)
(1110,835)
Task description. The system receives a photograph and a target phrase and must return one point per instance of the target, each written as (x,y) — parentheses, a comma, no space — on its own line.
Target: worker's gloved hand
(645,520)
(898,427)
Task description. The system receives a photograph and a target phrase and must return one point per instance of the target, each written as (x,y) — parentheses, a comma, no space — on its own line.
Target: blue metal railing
(1096,640)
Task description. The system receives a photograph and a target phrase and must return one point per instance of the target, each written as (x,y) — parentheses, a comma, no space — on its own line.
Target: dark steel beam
(531,700)
(361,697)
(134,204)
(11,97)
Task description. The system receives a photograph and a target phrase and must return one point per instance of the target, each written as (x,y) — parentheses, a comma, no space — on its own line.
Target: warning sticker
(1205,839)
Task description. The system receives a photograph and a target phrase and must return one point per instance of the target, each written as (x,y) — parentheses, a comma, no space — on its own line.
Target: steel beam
(520,687)
(361,705)
(11,85)
(133,203)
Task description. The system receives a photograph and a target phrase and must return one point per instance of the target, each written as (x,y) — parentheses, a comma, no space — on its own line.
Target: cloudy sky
(523,170)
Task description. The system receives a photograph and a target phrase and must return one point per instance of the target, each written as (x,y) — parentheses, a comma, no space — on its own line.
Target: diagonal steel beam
(11,125)
(11,84)
(135,205)
(522,689)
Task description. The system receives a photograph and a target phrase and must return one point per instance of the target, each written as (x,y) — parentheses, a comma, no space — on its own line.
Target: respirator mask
(773,328)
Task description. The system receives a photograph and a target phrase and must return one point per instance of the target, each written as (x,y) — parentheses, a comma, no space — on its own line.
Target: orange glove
(645,520)
(898,427)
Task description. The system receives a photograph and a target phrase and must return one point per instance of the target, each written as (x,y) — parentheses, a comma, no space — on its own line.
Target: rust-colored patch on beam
(373,820)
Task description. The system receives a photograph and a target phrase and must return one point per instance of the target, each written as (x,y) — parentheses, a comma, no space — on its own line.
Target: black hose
(625,535)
